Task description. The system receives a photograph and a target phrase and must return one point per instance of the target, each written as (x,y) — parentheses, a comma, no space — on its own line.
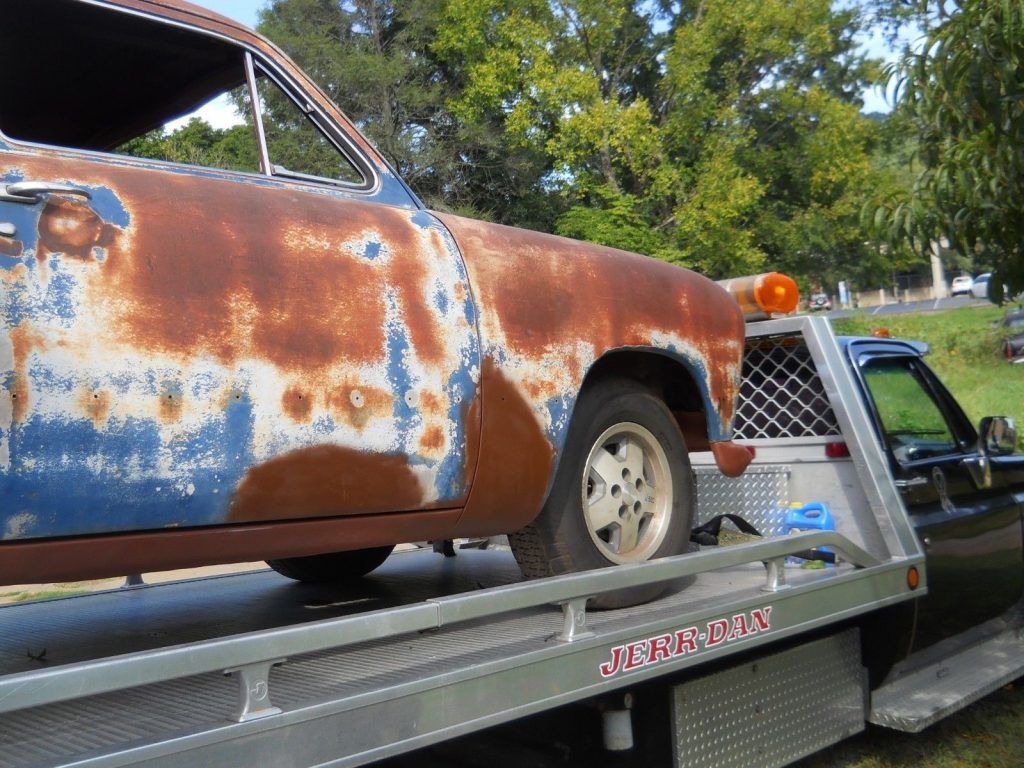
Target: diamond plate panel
(758,495)
(773,711)
(781,394)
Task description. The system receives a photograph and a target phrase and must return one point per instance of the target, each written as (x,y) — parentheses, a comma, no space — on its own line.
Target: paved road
(914,306)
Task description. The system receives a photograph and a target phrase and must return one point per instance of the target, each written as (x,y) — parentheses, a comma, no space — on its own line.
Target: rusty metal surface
(194,347)
(549,309)
(247,353)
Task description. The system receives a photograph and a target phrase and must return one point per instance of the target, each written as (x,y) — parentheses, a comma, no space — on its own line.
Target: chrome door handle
(912,482)
(31,192)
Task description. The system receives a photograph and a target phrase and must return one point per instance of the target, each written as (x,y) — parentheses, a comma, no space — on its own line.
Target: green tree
(721,136)
(963,93)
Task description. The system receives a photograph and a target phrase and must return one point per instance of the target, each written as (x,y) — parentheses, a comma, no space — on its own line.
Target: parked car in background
(279,353)
(979,288)
(819,302)
(1013,335)
(961,285)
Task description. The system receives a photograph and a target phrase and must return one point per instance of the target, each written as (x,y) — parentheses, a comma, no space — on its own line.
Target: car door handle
(30,192)
(912,482)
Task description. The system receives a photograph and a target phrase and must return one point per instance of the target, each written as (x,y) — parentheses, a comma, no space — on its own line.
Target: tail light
(837,450)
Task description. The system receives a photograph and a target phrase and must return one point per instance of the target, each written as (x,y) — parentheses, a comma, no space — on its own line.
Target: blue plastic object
(815,516)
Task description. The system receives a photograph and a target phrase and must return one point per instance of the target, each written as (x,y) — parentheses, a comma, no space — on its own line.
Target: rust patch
(515,464)
(432,440)
(357,405)
(97,557)
(297,404)
(24,340)
(556,290)
(325,480)
(731,459)
(72,228)
(170,406)
(12,248)
(96,406)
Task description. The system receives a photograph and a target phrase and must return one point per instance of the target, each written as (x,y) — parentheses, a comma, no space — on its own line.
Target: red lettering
(609,668)
(659,649)
(686,641)
(635,655)
(739,627)
(762,619)
(717,631)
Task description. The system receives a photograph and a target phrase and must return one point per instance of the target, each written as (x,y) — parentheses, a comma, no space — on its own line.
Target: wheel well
(667,378)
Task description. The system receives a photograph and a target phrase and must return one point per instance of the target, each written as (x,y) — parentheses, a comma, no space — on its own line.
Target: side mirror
(997,435)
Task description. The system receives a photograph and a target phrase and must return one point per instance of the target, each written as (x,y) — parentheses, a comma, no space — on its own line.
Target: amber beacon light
(761,296)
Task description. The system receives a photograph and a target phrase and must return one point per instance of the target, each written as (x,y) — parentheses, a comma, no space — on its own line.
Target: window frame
(339,138)
(964,438)
(315,117)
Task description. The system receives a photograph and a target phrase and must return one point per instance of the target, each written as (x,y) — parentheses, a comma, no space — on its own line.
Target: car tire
(333,566)
(623,492)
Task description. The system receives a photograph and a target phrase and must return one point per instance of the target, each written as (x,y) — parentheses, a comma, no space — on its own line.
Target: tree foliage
(963,94)
(722,136)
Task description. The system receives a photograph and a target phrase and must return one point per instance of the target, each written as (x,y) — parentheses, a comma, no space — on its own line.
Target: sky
(245,11)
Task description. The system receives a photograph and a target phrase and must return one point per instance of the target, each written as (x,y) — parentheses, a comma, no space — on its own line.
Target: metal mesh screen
(782,394)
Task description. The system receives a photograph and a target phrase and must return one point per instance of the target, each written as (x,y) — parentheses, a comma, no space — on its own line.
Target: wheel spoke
(631,455)
(603,512)
(629,533)
(606,466)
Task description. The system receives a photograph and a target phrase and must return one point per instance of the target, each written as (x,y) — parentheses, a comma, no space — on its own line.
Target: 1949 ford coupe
(293,360)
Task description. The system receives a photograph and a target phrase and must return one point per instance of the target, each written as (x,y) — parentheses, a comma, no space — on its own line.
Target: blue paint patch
(450,482)
(423,220)
(398,347)
(441,301)
(560,411)
(372,250)
(69,478)
(108,207)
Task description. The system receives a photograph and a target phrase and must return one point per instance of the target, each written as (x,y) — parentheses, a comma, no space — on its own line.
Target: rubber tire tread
(332,567)
(557,541)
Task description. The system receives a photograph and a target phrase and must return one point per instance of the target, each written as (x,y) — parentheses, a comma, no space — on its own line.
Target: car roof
(916,348)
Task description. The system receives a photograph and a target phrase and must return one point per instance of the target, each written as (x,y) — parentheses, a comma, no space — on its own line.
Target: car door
(184,344)
(964,505)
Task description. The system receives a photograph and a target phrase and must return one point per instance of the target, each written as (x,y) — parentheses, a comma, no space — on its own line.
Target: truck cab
(961,486)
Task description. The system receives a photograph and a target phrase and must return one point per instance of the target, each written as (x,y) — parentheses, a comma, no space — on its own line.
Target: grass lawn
(966,354)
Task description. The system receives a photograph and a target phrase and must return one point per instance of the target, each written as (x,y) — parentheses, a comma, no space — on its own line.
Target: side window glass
(219,134)
(297,147)
(915,427)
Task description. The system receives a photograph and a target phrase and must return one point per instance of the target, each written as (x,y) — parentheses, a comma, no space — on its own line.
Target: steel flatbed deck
(425,649)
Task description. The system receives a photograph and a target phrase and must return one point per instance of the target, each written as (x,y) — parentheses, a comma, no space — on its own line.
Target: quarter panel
(549,309)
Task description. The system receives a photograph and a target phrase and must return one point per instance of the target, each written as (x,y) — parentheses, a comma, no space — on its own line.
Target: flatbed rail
(491,655)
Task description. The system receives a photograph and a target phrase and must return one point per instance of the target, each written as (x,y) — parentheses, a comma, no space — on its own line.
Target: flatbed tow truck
(752,661)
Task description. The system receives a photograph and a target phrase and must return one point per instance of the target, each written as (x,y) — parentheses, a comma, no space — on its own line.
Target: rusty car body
(206,365)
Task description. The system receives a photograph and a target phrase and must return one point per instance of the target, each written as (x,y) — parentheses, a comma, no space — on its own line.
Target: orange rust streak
(297,404)
(96,406)
(170,407)
(24,340)
(432,440)
(275,274)
(546,290)
(72,228)
(372,402)
(325,480)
